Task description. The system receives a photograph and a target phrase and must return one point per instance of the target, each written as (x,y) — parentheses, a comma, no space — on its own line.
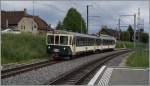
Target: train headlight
(49,47)
(64,48)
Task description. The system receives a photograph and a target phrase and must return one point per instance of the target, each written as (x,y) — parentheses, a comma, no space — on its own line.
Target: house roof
(109,31)
(42,25)
(13,17)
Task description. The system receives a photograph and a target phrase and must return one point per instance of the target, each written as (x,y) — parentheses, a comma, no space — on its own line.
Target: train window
(77,41)
(89,41)
(81,41)
(56,39)
(64,40)
(86,40)
(98,41)
(104,42)
(50,39)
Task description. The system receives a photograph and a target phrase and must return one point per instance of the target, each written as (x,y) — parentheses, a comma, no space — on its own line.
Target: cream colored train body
(68,44)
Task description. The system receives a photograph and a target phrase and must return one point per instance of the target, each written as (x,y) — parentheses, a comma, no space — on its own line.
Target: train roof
(106,36)
(73,33)
(83,35)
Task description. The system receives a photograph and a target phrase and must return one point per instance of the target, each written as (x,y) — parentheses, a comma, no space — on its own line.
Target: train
(66,45)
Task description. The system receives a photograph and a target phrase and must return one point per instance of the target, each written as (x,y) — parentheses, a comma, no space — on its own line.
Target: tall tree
(144,37)
(74,22)
(125,36)
(103,30)
(131,32)
(59,26)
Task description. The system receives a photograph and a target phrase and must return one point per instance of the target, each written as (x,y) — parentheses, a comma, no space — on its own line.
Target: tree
(125,36)
(144,37)
(131,32)
(103,30)
(59,26)
(74,22)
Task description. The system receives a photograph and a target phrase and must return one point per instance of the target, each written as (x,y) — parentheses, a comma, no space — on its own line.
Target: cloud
(109,11)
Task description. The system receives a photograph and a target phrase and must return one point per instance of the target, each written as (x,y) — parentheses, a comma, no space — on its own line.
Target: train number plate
(56,50)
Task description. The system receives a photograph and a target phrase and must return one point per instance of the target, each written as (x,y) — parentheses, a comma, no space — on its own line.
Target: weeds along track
(25,68)
(76,76)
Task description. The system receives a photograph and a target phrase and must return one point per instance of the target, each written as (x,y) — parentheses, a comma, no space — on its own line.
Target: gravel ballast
(45,74)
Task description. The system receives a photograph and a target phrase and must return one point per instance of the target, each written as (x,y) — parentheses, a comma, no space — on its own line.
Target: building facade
(22,21)
(27,25)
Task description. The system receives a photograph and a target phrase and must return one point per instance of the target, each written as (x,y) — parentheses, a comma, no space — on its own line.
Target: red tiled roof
(42,25)
(13,17)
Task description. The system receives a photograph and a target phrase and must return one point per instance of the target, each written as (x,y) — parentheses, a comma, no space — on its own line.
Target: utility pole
(138,25)
(134,38)
(134,30)
(81,26)
(119,27)
(33,17)
(87,17)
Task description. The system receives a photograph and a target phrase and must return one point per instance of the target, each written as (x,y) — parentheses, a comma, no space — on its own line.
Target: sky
(100,12)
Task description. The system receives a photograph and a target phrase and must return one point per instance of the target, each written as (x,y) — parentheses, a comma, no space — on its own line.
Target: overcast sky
(105,12)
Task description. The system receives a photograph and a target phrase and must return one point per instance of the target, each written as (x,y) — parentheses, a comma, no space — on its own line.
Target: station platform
(120,76)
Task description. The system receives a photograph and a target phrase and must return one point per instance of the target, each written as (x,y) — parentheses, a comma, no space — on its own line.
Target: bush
(22,47)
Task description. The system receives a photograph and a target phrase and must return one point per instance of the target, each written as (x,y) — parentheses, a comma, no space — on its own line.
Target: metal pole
(33,17)
(119,27)
(81,26)
(134,31)
(138,25)
(87,17)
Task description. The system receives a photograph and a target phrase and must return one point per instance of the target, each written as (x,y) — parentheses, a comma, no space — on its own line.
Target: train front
(58,46)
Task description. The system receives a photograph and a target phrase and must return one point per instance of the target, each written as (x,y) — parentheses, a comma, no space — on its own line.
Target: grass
(140,58)
(124,44)
(23,47)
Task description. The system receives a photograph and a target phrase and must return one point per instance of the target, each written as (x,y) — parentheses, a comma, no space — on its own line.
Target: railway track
(22,69)
(25,68)
(76,76)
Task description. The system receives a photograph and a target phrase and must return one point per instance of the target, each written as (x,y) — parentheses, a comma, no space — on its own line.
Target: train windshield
(64,40)
(56,39)
(50,39)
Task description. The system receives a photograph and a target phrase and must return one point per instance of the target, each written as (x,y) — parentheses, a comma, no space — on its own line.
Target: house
(33,24)
(10,19)
(110,32)
(22,21)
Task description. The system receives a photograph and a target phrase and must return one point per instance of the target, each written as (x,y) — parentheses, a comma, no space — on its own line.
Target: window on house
(21,27)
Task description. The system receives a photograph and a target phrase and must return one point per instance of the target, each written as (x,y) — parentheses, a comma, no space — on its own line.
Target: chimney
(49,25)
(25,11)
(6,23)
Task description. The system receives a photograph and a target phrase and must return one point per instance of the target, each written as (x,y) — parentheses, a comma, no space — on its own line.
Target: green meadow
(22,47)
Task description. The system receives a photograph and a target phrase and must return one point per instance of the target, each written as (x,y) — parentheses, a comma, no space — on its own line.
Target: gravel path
(42,75)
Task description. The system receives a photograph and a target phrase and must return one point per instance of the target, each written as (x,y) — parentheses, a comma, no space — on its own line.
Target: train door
(73,45)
